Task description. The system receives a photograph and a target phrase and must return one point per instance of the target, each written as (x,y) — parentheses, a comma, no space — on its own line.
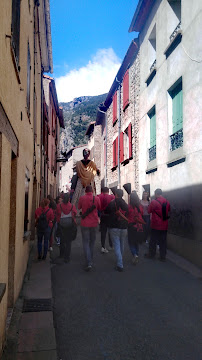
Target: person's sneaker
(118,268)
(104,250)
(88,268)
(44,258)
(148,256)
(39,257)
(135,259)
(50,248)
(110,248)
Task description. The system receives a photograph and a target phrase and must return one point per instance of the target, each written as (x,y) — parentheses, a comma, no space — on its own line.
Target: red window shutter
(115,107)
(116,150)
(104,152)
(126,89)
(121,148)
(114,153)
(130,139)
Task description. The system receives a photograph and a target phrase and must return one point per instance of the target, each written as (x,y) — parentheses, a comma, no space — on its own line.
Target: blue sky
(89,40)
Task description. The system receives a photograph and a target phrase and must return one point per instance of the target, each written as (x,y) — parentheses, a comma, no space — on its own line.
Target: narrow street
(151,311)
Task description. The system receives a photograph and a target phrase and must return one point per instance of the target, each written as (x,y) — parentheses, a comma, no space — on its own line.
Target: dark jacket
(115,221)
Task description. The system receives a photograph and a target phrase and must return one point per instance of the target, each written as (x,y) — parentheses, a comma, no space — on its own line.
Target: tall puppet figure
(85,172)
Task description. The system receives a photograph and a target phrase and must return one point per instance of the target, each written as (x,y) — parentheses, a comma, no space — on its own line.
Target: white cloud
(93,79)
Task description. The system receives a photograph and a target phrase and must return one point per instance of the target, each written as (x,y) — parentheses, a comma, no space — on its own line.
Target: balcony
(176,140)
(175,32)
(152,153)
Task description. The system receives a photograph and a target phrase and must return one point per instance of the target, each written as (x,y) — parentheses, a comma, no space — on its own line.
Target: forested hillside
(77,115)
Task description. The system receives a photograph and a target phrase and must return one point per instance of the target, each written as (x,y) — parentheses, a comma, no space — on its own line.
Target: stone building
(26,52)
(53,120)
(170,114)
(118,117)
(68,166)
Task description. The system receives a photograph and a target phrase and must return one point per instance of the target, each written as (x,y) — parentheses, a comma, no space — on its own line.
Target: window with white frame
(126,144)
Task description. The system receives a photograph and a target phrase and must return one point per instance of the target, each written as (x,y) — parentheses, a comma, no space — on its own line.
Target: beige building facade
(25,46)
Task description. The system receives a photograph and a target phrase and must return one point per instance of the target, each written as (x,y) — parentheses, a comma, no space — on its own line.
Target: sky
(89,41)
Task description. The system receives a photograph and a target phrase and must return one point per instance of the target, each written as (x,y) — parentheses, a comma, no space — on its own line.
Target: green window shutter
(152,128)
(177,108)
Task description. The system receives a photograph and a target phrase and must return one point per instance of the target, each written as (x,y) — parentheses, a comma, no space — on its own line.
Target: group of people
(133,222)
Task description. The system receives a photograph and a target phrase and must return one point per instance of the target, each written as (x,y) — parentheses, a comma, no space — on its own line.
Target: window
(127,153)
(152,119)
(15,29)
(126,90)
(114,107)
(27,180)
(176,94)
(152,49)
(115,152)
(28,78)
(173,18)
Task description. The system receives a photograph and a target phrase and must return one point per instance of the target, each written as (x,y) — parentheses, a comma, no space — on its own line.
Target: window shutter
(116,149)
(28,77)
(126,89)
(152,129)
(115,107)
(15,28)
(130,140)
(177,108)
(121,148)
(114,153)
(104,152)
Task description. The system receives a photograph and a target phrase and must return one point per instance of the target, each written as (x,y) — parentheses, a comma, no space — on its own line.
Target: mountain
(77,116)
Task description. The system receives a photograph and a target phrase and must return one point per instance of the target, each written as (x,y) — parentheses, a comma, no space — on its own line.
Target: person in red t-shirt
(44,225)
(135,225)
(105,199)
(159,225)
(89,223)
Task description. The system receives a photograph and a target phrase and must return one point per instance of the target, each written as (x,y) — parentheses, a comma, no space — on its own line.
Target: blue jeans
(88,239)
(118,237)
(46,236)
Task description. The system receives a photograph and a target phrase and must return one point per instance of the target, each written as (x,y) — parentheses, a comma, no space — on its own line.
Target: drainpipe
(119,130)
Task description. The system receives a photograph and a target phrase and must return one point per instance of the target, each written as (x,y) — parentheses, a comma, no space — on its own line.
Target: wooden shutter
(115,107)
(28,77)
(126,90)
(121,148)
(177,108)
(116,149)
(104,152)
(15,29)
(130,141)
(152,129)
(114,153)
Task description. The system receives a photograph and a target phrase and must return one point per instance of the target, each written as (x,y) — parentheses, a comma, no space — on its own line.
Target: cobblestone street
(151,311)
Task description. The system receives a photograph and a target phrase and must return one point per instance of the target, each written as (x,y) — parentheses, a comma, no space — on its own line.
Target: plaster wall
(182,181)
(13,99)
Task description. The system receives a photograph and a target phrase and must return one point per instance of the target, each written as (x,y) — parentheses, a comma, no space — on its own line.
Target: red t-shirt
(105,199)
(66,208)
(155,208)
(85,202)
(49,215)
(134,214)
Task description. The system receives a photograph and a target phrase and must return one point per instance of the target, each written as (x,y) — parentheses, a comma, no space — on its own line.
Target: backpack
(67,222)
(42,223)
(163,216)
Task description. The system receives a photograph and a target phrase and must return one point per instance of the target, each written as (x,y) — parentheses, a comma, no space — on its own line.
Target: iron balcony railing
(153,66)
(176,140)
(175,32)
(152,153)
